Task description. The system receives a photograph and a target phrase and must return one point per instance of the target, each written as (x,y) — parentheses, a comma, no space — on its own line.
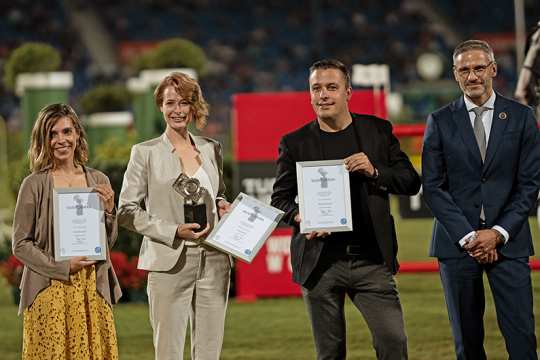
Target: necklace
(67,179)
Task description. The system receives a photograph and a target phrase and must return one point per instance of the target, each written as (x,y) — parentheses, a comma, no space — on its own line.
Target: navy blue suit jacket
(456,182)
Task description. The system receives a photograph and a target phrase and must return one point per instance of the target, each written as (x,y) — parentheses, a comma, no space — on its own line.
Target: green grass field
(277,329)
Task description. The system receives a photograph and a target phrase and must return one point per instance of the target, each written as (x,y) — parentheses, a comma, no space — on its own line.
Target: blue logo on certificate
(98,249)
(343,221)
(247,252)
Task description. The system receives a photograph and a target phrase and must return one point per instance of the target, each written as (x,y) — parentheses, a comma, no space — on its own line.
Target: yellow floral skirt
(70,320)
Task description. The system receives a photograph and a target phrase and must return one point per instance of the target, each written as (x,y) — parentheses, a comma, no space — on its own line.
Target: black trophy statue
(193,193)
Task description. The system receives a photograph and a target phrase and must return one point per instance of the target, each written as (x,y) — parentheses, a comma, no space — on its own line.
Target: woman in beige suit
(187,280)
(66,304)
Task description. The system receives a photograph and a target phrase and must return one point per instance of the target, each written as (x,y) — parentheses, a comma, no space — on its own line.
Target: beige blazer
(33,239)
(148,204)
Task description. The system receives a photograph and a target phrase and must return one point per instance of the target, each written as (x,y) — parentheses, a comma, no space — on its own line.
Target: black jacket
(396,175)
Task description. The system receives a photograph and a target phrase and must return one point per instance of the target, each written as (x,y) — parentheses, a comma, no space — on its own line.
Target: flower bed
(132,280)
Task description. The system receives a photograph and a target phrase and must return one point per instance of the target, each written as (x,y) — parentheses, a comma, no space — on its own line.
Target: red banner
(261,119)
(259,122)
(270,272)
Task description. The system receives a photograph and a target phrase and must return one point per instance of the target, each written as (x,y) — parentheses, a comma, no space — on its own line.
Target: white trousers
(196,289)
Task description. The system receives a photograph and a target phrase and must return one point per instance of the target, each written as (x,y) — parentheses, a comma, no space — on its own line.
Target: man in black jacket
(360,263)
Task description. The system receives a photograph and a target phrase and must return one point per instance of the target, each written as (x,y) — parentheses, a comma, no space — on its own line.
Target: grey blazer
(148,204)
(33,239)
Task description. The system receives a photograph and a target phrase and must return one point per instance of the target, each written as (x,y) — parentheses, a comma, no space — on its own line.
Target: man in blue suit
(481,174)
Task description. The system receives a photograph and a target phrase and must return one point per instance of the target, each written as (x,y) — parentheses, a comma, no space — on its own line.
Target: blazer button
(484,180)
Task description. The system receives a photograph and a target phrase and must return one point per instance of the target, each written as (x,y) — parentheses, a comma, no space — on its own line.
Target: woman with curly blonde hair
(188,281)
(66,305)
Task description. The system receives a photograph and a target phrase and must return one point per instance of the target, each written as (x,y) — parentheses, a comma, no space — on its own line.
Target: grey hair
(473,45)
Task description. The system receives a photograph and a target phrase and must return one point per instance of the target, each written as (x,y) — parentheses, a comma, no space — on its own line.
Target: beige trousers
(196,289)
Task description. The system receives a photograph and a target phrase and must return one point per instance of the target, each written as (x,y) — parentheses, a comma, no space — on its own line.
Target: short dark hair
(473,45)
(332,64)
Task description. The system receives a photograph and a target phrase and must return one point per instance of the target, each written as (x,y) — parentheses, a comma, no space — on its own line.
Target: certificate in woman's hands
(79,224)
(245,228)
(324,196)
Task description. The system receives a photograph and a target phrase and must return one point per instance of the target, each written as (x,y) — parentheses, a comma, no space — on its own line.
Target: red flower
(126,270)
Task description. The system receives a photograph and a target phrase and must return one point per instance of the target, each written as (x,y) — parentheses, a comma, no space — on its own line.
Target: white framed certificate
(79,224)
(324,196)
(244,229)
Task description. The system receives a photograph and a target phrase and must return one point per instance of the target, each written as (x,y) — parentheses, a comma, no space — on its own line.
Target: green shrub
(104,98)
(28,58)
(172,53)
(18,170)
(5,241)
(112,157)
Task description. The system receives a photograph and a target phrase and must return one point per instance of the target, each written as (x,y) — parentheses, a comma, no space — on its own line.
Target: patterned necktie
(479,131)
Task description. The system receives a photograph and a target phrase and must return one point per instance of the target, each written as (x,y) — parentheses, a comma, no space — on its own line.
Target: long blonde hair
(40,153)
(189,89)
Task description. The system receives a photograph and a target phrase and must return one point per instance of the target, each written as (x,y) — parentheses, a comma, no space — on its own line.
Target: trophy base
(196,214)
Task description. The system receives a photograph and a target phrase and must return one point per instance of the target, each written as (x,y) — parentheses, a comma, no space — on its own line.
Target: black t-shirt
(340,145)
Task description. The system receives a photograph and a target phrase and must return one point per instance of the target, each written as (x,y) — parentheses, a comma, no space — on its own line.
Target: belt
(347,251)
(354,250)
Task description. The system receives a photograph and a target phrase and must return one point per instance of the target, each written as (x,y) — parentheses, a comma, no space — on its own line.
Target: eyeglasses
(477,70)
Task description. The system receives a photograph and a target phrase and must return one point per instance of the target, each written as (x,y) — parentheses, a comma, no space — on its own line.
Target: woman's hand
(106,193)
(187,231)
(78,262)
(223,207)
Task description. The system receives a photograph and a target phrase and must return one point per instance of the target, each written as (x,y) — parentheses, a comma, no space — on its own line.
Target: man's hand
(315,234)
(223,207)
(360,162)
(312,234)
(483,246)
(187,231)
(487,258)
(484,241)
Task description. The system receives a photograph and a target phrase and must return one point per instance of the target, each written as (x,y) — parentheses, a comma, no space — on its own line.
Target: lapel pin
(503,116)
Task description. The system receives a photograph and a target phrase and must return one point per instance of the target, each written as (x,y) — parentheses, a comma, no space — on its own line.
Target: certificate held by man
(324,196)
(243,231)
(79,224)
